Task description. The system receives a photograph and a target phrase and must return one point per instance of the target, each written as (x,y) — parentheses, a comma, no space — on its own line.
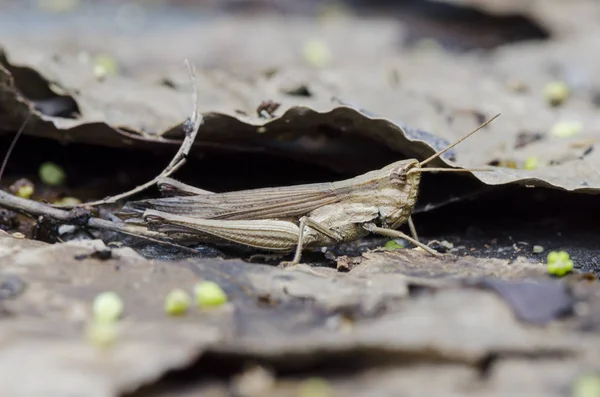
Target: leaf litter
(472,323)
(228,131)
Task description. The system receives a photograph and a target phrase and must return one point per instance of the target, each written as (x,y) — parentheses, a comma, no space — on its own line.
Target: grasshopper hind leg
(298,252)
(304,222)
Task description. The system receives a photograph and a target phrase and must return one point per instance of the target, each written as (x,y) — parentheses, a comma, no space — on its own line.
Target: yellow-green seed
(556,93)
(105,65)
(177,302)
(317,53)
(52,174)
(102,335)
(209,294)
(68,201)
(559,263)
(25,191)
(566,129)
(531,163)
(428,44)
(315,387)
(586,386)
(108,307)
(538,249)
(393,245)
(23,187)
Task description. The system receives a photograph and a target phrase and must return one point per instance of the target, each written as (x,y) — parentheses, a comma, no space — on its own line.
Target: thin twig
(191,126)
(12,145)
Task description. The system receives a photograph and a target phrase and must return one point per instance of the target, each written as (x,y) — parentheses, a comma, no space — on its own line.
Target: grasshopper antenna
(438,154)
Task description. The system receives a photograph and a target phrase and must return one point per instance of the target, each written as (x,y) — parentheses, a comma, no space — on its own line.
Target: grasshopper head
(405,178)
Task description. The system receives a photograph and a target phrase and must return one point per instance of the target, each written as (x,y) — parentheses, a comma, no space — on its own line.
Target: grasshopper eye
(398,175)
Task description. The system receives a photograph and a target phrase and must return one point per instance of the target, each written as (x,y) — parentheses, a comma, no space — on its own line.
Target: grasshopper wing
(266,203)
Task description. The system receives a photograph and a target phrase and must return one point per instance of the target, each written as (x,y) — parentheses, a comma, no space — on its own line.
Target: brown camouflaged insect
(288,219)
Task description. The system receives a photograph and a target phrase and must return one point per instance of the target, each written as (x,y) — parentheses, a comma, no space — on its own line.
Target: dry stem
(178,160)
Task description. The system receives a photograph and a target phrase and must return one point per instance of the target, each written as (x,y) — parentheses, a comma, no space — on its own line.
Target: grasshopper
(284,219)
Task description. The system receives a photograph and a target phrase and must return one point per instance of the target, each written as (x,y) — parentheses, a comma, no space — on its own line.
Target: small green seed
(315,387)
(556,93)
(428,44)
(393,245)
(23,187)
(538,249)
(559,263)
(317,53)
(177,302)
(209,293)
(566,129)
(531,163)
(108,307)
(586,386)
(68,201)
(105,65)
(25,191)
(52,174)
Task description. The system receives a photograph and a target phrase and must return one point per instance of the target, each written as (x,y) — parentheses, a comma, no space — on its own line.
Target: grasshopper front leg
(398,234)
(413,229)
